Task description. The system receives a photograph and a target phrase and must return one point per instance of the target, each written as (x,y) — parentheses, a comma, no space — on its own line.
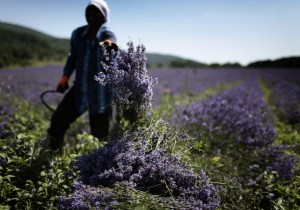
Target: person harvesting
(88,44)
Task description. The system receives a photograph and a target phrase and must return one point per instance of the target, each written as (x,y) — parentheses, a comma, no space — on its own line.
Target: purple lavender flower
(85,198)
(127,77)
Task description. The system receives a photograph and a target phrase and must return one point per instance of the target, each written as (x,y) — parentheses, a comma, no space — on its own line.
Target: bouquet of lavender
(126,75)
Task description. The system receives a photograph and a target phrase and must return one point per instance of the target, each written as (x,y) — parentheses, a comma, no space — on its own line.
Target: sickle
(43,100)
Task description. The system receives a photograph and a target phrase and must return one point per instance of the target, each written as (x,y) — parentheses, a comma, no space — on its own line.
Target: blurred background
(192,33)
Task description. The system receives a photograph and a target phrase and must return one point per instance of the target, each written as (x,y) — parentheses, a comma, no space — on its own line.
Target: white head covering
(102,6)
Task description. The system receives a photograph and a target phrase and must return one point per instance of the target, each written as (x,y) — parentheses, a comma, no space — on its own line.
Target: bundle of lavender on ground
(133,165)
(127,77)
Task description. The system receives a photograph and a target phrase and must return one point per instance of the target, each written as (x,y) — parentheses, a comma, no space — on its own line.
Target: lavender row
(237,113)
(235,119)
(285,93)
(193,81)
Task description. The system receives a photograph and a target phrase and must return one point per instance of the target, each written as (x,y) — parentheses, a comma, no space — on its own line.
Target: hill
(160,60)
(54,42)
(21,46)
(156,59)
(286,62)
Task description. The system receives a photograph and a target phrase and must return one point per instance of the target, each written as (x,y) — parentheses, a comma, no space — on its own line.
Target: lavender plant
(126,75)
(85,198)
(285,96)
(238,113)
(274,158)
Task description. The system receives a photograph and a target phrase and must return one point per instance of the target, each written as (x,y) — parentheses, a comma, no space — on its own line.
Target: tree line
(288,62)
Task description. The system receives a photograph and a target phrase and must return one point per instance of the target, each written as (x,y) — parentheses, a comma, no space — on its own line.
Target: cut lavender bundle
(132,164)
(127,77)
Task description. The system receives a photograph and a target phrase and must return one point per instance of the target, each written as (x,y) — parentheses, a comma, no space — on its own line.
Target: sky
(209,31)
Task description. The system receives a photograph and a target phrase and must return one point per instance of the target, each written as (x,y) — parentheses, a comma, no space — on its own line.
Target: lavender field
(216,139)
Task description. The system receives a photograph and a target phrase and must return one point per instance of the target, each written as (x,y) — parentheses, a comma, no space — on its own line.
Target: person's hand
(109,45)
(63,84)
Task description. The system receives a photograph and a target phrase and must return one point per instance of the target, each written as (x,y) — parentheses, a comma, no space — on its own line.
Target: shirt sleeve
(71,60)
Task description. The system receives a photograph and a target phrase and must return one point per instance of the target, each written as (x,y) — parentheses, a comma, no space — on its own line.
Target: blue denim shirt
(85,57)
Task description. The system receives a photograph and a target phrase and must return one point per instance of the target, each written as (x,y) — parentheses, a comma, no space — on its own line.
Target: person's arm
(69,66)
